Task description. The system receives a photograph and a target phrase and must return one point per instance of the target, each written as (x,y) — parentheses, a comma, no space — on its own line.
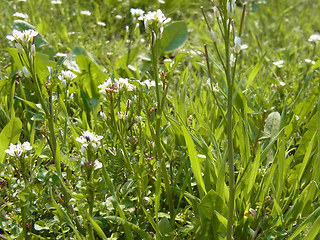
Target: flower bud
(237,44)
(33,49)
(213,36)
(19,47)
(25,72)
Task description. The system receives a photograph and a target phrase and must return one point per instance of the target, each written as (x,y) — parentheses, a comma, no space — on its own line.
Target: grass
(163,169)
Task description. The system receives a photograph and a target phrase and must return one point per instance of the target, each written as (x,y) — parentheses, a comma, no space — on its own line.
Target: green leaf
(165,226)
(272,126)
(195,162)
(254,72)
(97,228)
(210,203)
(9,134)
(174,36)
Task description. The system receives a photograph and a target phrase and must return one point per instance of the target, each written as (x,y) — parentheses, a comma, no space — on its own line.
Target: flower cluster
(136,12)
(66,77)
(115,85)
(314,38)
(89,139)
(155,21)
(25,37)
(18,150)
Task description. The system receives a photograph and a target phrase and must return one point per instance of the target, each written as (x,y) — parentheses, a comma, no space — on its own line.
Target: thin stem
(229,135)
(160,158)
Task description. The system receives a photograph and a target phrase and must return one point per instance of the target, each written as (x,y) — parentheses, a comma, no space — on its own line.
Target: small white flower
(148,83)
(155,21)
(314,38)
(121,115)
(24,37)
(18,150)
(109,86)
(136,12)
(60,54)
(66,77)
(118,16)
(237,44)
(309,61)
(57,2)
(101,24)
(97,165)
(88,138)
(85,12)
(279,63)
(20,15)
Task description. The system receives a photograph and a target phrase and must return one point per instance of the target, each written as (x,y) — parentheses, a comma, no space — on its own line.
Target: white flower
(110,86)
(17,150)
(309,61)
(60,54)
(20,15)
(97,165)
(237,44)
(66,77)
(25,37)
(155,21)
(56,2)
(85,12)
(148,83)
(118,16)
(101,24)
(124,83)
(279,63)
(121,115)
(314,38)
(136,12)
(88,138)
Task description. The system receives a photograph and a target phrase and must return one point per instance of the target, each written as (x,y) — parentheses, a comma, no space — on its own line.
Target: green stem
(229,136)
(24,221)
(159,154)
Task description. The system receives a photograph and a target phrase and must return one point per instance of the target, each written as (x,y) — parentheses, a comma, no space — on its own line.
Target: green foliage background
(276,127)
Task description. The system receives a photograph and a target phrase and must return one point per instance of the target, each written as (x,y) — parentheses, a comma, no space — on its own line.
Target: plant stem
(229,135)
(159,154)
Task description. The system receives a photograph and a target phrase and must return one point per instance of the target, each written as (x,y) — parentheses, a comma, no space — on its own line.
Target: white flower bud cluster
(155,21)
(66,77)
(18,150)
(115,85)
(88,138)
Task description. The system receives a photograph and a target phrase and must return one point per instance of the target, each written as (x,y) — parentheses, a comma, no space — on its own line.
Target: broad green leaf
(210,203)
(272,126)
(314,230)
(9,134)
(174,36)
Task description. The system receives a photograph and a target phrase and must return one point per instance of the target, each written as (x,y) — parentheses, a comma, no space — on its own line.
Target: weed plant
(123,121)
